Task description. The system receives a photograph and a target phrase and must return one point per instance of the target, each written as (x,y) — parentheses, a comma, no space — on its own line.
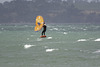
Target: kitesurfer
(44,29)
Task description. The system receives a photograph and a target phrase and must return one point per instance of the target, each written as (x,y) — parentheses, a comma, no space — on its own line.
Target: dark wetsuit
(44,30)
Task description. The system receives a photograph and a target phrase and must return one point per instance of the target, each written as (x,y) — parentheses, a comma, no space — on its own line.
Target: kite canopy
(39,23)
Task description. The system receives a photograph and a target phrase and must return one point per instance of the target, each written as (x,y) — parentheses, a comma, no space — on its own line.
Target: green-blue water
(66,45)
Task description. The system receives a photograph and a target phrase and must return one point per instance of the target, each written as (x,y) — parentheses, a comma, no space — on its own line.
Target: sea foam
(39,39)
(28,46)
(50,50)
(98,51)
(55,28)
(28,38)
(82,40)
(65,33)
(97,39)
(49,37)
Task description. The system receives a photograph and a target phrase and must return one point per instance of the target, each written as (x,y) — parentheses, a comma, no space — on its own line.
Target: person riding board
(44,29)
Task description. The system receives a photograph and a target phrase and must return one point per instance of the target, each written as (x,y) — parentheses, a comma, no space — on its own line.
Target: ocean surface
(66,45)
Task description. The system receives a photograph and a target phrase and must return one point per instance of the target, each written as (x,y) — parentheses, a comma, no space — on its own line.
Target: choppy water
(66,45)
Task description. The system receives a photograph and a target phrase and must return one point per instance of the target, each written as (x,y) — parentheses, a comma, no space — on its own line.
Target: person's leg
(42,32)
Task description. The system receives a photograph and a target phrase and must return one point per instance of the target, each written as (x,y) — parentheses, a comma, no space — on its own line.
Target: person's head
(45,24)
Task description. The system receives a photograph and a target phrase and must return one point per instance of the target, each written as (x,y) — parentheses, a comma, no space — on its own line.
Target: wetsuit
(44,29)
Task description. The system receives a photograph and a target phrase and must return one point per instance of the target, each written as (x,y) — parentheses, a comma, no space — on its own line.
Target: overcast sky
(1,1)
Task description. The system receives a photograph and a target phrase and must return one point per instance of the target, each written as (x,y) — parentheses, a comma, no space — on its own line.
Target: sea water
(66,45)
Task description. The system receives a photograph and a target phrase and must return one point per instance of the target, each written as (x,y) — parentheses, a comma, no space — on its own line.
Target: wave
(98,51)
(65,33)
(28,38)
(97,39)
(28,46)
(50,50)
(39,39)
(82,40)
(55,28)
(90,39)
(49,37)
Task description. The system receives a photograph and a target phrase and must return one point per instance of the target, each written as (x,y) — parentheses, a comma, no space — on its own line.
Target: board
(43,36)
(39,23)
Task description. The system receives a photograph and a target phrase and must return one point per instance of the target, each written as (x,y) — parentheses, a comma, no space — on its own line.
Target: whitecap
(2,28)
(51,29)
(28,46)
(81,50)
(55,28)
(28,38)
(65,33)
(97,39)
(65,49)
(50,50)
(32,35)
(49,37)
(84,29)
(98,51)
(39,39)
(81,40)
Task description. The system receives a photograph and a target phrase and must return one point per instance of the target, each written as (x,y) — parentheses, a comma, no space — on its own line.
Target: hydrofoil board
(43,36)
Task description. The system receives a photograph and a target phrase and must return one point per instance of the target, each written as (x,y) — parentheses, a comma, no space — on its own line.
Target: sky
(1,1)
